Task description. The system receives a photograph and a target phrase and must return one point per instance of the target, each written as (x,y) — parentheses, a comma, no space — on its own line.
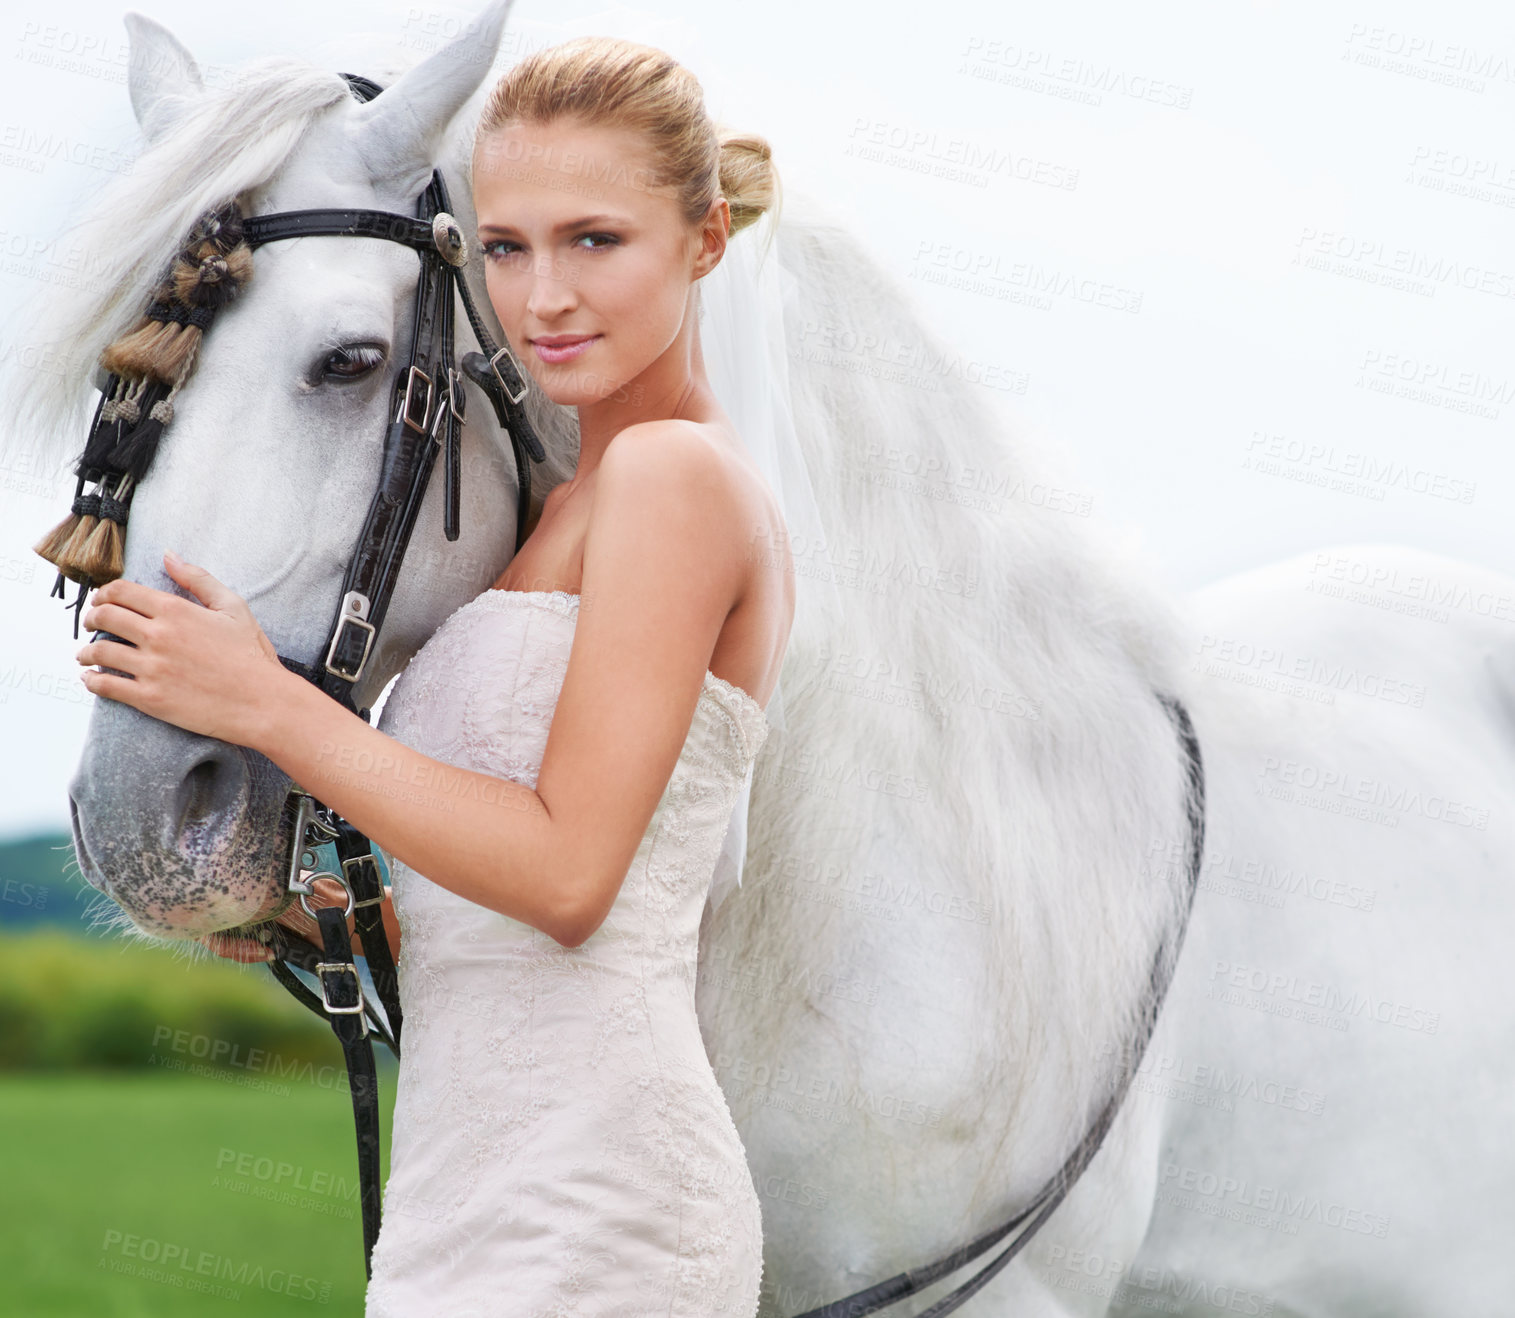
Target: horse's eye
(352,361)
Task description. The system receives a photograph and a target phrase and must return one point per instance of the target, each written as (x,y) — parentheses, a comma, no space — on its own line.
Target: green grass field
(159,1194)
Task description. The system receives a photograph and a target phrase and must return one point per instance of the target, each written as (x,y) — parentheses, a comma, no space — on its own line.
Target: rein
(1054,1190)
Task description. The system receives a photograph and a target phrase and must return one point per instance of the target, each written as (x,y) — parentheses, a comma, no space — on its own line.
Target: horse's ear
(404,125)
(162,78)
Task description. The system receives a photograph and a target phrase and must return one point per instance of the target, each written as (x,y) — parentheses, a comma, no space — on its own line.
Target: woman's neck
(674,387)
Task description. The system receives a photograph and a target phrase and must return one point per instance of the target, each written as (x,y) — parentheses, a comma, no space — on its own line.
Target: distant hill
(40,884)
(72,995)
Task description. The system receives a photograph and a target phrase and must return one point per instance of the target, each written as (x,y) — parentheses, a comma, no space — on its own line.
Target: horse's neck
(1044,784)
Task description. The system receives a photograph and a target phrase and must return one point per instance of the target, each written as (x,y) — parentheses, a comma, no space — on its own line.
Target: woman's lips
(563,352)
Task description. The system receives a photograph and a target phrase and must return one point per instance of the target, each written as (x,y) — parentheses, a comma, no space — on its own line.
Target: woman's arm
(662,570)
(664,564)
(470,832)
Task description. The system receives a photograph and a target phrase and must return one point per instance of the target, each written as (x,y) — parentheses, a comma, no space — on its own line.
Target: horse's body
(1327,1100)
(969,839)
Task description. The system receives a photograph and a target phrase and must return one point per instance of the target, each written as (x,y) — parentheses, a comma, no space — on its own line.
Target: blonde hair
(614,83)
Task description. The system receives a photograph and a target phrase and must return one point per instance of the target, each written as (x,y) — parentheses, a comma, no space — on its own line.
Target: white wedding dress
(561,1145)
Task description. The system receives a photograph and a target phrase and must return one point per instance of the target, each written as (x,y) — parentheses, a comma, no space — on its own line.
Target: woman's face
(587,265)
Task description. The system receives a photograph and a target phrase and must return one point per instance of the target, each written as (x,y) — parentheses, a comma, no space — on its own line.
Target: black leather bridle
(427,409)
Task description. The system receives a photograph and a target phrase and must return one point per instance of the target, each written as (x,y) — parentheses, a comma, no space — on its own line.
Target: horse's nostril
(92,876)
(207,799)
(199,787)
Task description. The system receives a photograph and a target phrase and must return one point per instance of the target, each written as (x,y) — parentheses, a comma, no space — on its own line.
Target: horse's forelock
(230,141)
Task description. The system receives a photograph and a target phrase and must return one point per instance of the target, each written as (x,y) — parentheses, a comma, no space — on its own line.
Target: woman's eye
(352,361)
(499,249)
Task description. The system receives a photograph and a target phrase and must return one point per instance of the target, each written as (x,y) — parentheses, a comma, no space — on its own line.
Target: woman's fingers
(237,947)
(331,893)
(328,892)
(296,920)
(116,619)
(241,947)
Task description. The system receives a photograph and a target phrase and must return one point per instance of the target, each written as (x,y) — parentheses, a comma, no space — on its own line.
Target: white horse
(968,842)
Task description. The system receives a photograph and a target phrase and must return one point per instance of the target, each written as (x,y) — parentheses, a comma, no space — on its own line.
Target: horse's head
(268,469)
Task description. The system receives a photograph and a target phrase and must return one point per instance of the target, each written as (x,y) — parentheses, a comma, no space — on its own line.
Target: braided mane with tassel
(146,368)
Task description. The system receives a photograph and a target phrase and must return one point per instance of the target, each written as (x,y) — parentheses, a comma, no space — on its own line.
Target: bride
(560,1140)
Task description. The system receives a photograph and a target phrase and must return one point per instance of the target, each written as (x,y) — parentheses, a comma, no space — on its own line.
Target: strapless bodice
(527,666)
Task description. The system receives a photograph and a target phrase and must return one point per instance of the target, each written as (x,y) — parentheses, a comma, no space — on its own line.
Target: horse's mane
(1049,816)
(228,140)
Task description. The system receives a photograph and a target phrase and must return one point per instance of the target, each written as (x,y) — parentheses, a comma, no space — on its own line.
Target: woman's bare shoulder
(694,455)
(672,436)
(675,478)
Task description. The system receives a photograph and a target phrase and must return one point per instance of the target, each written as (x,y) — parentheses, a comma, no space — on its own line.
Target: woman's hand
(206,667)
(240,947)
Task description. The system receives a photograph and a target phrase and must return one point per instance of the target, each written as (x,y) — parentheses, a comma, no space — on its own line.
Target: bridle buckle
(354,614)
(494,365)
(341,967)
(448,405)
(350,864)
(416,420)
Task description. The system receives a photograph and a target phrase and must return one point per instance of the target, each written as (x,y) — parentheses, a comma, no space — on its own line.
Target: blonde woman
(560,1141)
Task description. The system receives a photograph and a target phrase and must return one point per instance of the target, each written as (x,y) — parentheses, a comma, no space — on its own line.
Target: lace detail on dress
(559,1135)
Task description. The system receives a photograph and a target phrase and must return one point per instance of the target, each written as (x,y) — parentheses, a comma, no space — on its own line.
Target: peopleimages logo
(1286,1205)
(1318,249)
(173,1264)
(1325,786)
(954,158)
(204,1055)
(1227,981)
(1143,1286)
